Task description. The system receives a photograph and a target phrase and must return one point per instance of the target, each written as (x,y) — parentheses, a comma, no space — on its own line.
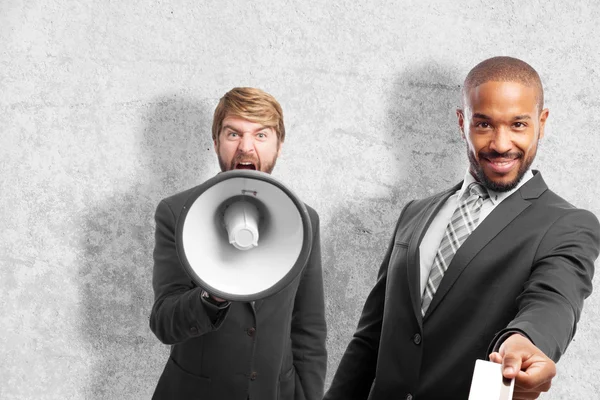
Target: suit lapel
(502,215)
(413,260)
(257,304)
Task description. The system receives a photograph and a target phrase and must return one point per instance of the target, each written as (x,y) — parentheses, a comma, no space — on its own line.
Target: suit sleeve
(179,312)
(356,372)
(561,279)
(309,330)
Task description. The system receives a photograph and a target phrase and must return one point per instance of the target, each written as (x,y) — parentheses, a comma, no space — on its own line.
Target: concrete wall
(105,108)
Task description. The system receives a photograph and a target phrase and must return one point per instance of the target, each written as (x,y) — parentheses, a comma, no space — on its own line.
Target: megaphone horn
(243,235)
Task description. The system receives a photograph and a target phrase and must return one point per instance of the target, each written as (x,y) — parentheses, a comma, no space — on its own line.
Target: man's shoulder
(537,189)
(553,200)
(416,211)
(425,202)
(556,208)
(184,194)
(553,208)
(178,200)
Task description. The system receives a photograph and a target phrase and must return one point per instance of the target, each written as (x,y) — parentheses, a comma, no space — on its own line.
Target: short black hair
(505,69)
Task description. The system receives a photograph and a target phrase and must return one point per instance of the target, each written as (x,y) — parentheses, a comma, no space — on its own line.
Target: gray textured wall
(105,108)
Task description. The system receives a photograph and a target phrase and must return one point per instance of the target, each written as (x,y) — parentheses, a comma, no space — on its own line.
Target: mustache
(509,155)
(240,159)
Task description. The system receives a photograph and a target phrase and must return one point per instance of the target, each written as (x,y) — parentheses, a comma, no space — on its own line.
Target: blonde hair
(252,104)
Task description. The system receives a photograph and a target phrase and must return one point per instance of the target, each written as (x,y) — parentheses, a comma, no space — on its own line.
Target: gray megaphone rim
(295,271)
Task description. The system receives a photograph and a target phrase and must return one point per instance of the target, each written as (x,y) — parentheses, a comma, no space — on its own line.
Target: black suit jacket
(527,267)
(272,349)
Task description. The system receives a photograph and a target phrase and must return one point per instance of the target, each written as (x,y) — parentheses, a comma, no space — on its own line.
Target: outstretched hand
(532,369)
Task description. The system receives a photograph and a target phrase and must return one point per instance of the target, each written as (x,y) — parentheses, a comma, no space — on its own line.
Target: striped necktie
(463,222)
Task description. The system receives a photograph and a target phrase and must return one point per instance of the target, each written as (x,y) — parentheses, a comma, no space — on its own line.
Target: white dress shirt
(435,233)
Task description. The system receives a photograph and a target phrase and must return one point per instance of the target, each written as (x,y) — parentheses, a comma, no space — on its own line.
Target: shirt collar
(495,197)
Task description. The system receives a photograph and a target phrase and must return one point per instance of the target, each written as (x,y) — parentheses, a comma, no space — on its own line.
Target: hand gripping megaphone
(243,236)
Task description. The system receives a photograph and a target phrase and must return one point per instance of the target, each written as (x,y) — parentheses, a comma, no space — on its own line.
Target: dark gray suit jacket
(527,267)
(274,349)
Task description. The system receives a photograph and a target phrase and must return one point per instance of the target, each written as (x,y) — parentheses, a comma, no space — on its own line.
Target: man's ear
(461,121)
(543,117)
(280,145)
(216,145)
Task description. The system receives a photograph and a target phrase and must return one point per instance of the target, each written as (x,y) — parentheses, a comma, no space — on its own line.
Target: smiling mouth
(502,162)
(502,165)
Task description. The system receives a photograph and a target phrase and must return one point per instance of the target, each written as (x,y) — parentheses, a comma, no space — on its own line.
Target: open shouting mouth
(245,165)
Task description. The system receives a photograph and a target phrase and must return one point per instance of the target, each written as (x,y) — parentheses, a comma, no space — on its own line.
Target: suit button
(409,397)
(416,339)
(251,331)
(194,330)
(253,375)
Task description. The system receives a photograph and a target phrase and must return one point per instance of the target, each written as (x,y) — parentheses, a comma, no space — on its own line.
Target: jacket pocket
(287,382)
(176,383)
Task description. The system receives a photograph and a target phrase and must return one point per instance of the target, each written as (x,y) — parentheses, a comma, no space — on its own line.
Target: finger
(544,387)
(521,393)
(511,365)
(522,384)
(536,375)
(525,396)
(496,358)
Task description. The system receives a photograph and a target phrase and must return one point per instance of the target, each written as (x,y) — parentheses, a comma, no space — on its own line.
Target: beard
(477,170)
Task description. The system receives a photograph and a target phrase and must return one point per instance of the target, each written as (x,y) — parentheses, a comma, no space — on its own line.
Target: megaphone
(243,236)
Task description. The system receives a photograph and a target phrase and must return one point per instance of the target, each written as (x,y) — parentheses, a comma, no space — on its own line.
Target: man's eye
(483,125)
(519,125)
(261,135)
(232,134)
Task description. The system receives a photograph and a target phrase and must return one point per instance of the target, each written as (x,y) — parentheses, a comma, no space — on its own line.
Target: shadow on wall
(423,125)
(175,153)
(429,156)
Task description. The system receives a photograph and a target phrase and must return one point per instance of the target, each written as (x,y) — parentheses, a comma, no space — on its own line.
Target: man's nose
(246,144)
(501,143)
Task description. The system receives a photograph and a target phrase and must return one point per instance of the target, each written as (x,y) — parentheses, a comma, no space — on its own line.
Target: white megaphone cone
(241,222)
(217,235)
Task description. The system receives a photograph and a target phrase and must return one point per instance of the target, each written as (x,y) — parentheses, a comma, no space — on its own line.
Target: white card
(489,384)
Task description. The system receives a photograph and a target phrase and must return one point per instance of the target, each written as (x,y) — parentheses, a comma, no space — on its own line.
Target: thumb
(511,365)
